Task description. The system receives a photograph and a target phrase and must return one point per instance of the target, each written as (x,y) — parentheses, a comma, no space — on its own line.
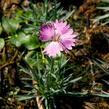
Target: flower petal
(67,44)
(46,32)
(60,27)
(53,49)
(66,29)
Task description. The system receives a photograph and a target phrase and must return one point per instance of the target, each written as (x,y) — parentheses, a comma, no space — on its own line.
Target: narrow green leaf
(101,17)
(26,97)
(102,95)
(103,8)
(72,81)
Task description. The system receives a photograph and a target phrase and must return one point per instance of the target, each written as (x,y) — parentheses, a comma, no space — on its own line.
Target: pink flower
(60,37)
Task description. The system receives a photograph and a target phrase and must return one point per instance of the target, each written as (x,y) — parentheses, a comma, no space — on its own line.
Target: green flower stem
(46,8)
(55,10)
(49,83)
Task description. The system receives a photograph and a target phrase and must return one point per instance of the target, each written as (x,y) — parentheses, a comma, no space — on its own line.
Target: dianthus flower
(60,37)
